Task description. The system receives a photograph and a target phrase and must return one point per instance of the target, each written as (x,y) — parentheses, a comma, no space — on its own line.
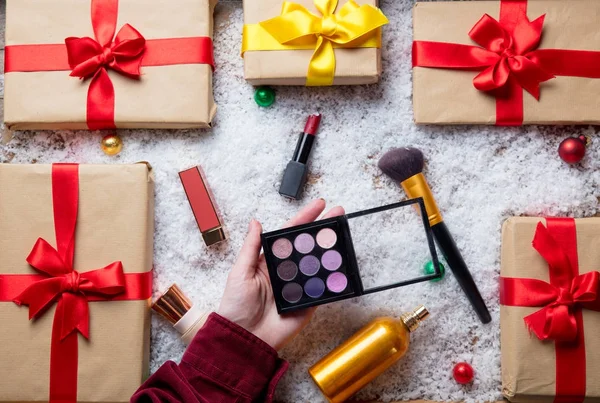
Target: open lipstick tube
(296,171)
(176,307)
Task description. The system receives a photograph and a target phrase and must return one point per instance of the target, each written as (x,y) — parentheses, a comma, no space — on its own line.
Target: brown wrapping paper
(178,96)
(115,222)
(529,365)
(444,96)
(289,67)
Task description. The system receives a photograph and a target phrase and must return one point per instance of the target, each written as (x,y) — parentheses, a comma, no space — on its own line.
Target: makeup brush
(405,165)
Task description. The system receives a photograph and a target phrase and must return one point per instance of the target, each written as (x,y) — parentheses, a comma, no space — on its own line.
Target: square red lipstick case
(316,263)
(203,205)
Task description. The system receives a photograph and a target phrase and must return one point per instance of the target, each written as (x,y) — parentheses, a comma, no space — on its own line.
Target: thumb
(247,260)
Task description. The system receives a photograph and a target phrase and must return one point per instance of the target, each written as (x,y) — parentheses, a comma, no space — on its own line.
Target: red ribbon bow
(89,57)
(68,286)
(508,59)
(72,289)
(559,300)
(509,54)
(562,301)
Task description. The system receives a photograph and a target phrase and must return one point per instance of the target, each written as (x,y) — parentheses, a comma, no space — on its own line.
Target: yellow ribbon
(296,28)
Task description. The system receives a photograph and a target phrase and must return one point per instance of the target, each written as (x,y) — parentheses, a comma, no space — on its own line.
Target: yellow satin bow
(353,26)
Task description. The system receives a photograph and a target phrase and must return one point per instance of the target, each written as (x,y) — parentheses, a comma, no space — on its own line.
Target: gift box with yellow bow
(105,64)
(312,42)
(506,62)
(550,309)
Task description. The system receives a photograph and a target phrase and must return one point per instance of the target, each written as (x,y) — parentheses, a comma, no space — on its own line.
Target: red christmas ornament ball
(572,149)
(463,373)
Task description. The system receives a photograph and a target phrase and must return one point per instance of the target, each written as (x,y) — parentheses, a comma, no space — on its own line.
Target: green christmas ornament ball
(428,269)
(264,96)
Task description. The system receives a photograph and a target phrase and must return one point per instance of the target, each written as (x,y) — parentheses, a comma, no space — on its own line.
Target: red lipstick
(296,171)
(203,205)
(312,124)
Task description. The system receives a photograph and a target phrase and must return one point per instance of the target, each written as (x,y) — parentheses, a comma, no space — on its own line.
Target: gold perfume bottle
(176,307)
(361,358)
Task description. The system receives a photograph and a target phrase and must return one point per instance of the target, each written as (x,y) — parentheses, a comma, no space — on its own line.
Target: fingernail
(251,224)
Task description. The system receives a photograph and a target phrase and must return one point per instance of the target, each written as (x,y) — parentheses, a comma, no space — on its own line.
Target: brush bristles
(402,163)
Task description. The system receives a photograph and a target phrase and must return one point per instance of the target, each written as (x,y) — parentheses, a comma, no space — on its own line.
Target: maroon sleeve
(224,363)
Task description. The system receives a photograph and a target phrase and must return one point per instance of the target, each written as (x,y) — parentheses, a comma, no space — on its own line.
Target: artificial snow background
(479,175)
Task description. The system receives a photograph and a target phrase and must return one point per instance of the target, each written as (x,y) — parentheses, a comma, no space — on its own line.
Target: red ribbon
(562,301)
(87,57)
(508,59)
(60,282)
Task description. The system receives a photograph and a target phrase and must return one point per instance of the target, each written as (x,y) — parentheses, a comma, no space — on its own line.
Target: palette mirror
(389,246)
(317,263)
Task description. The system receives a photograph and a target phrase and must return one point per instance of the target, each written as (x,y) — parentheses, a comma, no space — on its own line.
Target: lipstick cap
(294,179)
(203,205)
(172,304)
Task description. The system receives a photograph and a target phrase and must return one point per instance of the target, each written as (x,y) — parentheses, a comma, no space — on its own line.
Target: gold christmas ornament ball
(112,144)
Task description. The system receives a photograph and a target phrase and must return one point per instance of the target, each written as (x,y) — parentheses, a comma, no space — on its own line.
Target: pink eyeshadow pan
(337,282)
(282,248)
(326,238)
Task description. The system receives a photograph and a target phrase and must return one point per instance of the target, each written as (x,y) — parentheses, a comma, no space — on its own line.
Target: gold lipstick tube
(416,186)
(186,318)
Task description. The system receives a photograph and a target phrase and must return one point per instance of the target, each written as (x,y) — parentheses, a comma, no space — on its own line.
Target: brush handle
(459,268)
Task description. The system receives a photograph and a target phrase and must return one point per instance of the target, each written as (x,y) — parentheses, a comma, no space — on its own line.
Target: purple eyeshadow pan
(337,282)
(292,292)
(282,248)
(332,260)
(304,243)
(309,265)
(287,270)
(314,287)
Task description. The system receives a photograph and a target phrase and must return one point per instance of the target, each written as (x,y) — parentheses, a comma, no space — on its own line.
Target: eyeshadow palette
(315,263)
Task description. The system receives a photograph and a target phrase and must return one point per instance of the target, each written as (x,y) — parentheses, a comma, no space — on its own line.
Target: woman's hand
(248,297)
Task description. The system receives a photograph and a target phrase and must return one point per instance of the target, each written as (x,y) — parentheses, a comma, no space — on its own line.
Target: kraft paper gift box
(173,90)
(115,221)
(556,285)
(357,65)
(448,95)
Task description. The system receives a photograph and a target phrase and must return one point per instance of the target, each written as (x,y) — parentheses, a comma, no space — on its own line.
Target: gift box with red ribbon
(105,64)
(76,246)
(507,62)
(550,310)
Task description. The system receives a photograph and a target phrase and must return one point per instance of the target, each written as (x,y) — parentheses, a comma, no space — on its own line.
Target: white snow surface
(480,176)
